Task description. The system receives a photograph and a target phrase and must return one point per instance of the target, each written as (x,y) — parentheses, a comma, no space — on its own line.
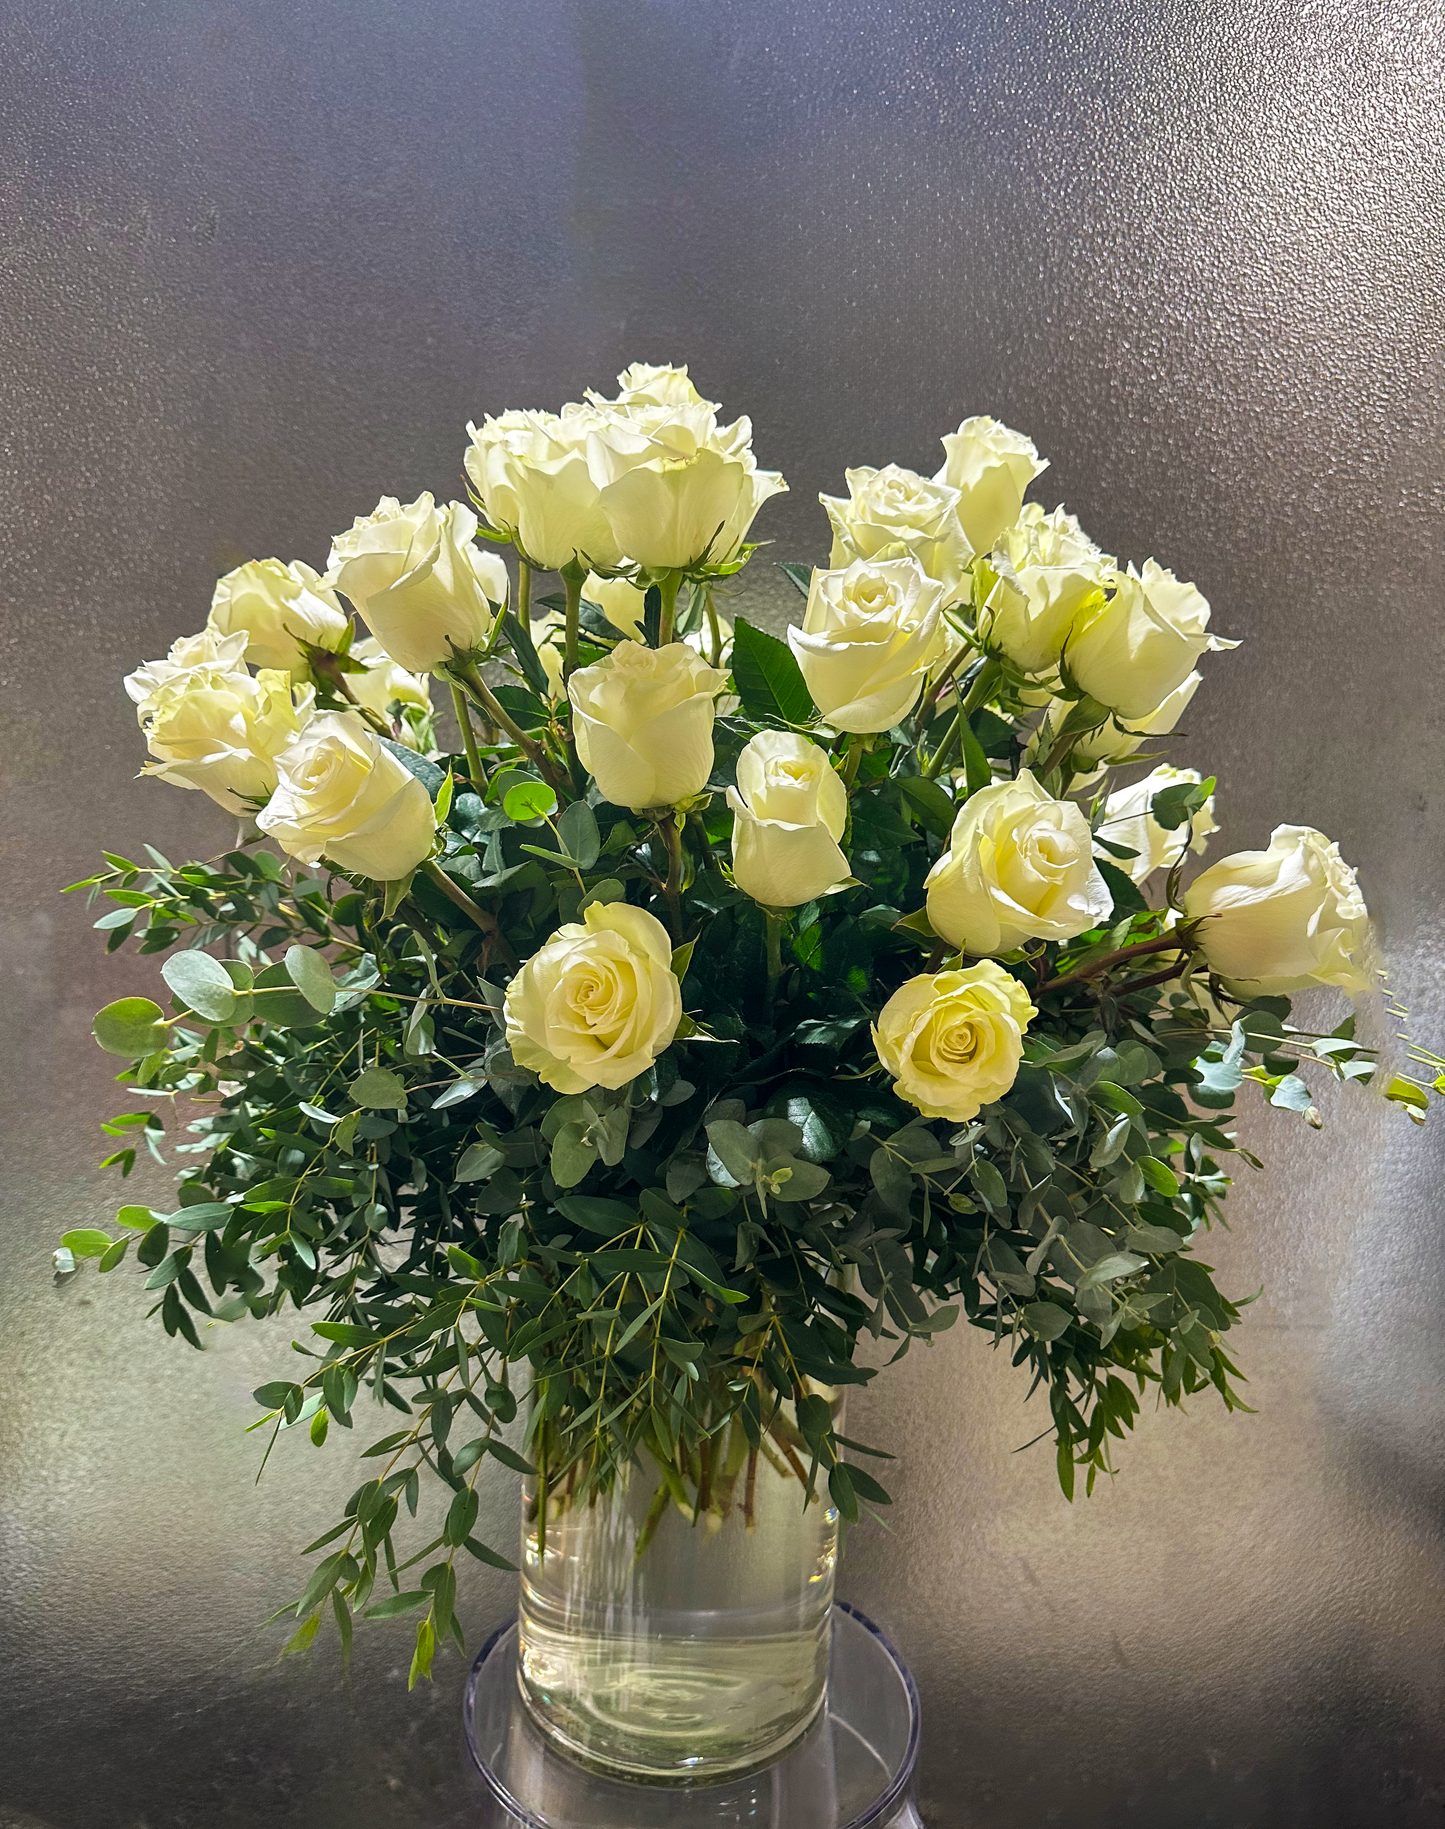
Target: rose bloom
(644,384)
(643,723)
(1141,644)
(531,475)
(282,610)
(188,654)
(385,684)
(1019,866)
(1049,571)
(953,1040)
(894,513)
(789,811)
(869,636)
(1127,821)
(424,588)
(1114,742)
(990,466)
(343,796)
(210,725)
(1276,921)
(598,1003)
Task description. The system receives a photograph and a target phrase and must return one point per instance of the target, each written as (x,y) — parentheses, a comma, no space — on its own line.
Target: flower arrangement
(720,1004)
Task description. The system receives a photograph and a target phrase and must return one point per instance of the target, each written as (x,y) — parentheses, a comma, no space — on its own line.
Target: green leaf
(132,1027)
(605,1217)
(490,1557)
(934,808)
(406,1602)
(479,1162)
(425,770)
(520,641)
(735,1148)
(1046,1320)
(577,828)
(88,1241)
(529,800)
(346,1333)
(203,983)
(311,975)
(682,959)
(509,1457)
(768,679)
(1124,890)
(378,1089)
(977,772)
(1158,1241)
(799,576)
(1159,1176)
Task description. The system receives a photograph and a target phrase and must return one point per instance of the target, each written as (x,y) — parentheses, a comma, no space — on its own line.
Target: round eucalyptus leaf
(529,800)
(202,983)
(131,1027)
(311,975)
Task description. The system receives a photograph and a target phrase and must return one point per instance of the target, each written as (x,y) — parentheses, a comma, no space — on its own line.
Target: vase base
(851,1769)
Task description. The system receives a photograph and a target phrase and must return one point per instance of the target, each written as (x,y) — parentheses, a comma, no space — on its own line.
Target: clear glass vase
(676,1627)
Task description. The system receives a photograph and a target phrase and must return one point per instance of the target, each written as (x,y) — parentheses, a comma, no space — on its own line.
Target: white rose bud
(643,723)
(188,653)
(282,610)
(212,726)
(1276,921)
(1127,821)
(1019,866)
(894,513)
(384,684)
(675,487)
(531,475)
(953,1040)
(425,590)
(990,466)
(869,636)
(343,796)
(1142,644)
(789,810)
(1048,572)
(598,1003)
(1111,742)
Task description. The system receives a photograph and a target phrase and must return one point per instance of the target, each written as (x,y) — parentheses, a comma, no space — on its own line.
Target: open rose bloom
(593,992)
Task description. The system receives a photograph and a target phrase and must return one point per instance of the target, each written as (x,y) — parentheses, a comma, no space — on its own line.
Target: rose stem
(667,584)
(466,673)
(454,893)
(1179,941)
(524,593)
(750,1490)
(572,581)
(327,669)
(714,633)
(977,693)
(852,756)
(671,834)
(775,954)
(933,693)
(469,740)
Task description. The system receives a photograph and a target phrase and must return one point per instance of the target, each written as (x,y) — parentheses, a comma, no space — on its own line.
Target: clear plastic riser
(853,1769)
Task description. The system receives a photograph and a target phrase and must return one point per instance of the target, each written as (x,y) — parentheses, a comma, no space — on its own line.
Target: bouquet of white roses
(720,1003)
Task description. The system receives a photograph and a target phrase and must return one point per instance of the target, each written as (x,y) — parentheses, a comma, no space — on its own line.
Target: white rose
(677,488)
(894,513)
(870,634)
(531,475)
(282,610)
(621,602)
(188,653)
(990,466)
(1048,572)
(1133,651)
(953,1040)
(1111,742)
(342,795)
(789,810)
(385,684)
(549,638)
(1019,866)
(598,1003)
(643,723)
(1127,822)
(425,590)
(212,726)
(643,384)
(1275,921)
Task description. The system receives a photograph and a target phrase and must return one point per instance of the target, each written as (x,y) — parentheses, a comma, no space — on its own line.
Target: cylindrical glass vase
(677,1627)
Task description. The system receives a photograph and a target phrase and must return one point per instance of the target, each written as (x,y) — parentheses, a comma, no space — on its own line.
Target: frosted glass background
(260,263)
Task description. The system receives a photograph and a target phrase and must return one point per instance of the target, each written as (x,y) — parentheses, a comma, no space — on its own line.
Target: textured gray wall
(260,262)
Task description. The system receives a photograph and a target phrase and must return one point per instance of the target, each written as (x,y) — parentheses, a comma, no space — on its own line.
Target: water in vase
(664,1637)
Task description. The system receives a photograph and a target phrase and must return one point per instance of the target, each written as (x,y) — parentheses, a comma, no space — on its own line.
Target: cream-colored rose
(1275,921)
(1127,821)
(620,601)
(424,588)
(870,634)
(990,466)
(549,638)
(1049,573)
(643,723)
(894,513)
(644,384)
(531,474)
(188,653)
(1019,866)
(1111,742)
(789,811)
(211,726)
(677,488)
(282,610)
(953,1040)
(343,795)
(1142,643)
(385,684)
(598,1003)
